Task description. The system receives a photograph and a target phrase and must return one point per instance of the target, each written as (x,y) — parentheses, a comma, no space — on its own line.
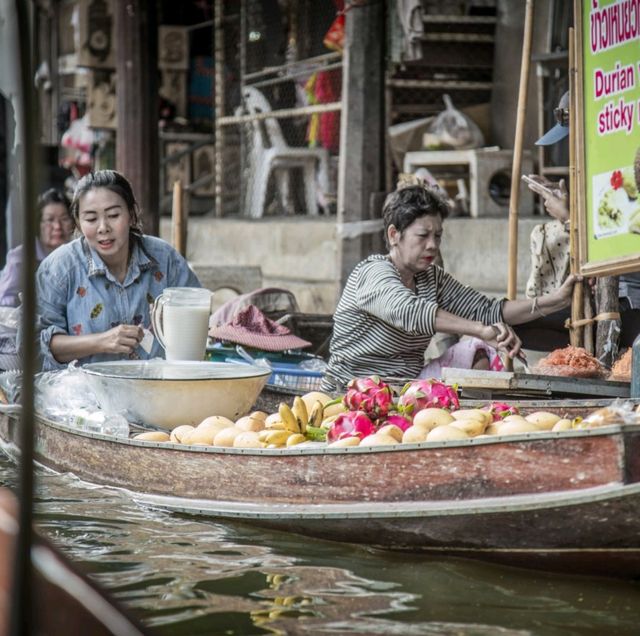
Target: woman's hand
(121,339)
(502,337)
(554,195)
(564,293)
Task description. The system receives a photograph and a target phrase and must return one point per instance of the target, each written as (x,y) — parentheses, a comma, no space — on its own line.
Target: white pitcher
(180,319)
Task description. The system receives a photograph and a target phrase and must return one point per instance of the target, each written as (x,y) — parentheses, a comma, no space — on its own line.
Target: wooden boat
(568,500)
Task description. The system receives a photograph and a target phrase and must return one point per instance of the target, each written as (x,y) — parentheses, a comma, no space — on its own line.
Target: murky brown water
(185,576)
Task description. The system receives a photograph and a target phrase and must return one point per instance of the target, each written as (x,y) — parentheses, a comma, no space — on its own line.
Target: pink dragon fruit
(401,421)
(424,394)
(500,410)
(351,424)
(370,395)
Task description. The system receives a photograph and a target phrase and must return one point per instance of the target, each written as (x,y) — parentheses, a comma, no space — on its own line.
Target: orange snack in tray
(571,362)
(621,370)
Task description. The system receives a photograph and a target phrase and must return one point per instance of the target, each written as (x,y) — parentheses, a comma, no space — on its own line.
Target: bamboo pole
(512,283)
(576,334)
(177,218)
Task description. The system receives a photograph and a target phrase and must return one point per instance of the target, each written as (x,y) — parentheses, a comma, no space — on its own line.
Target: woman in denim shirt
(94,294)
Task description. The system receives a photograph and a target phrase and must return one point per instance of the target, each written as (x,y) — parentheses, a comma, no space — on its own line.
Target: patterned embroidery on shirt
(115,324)
(96,311)
(137,319)
(150,298)
(81,291)
(77,329)
(107,285)
(158,276)
(134,356)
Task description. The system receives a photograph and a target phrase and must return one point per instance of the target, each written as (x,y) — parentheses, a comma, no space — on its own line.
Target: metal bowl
(168,394)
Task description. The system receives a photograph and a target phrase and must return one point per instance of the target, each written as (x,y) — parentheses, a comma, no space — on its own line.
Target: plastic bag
(452,129)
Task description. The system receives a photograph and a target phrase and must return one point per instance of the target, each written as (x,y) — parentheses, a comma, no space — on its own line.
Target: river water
(186,576)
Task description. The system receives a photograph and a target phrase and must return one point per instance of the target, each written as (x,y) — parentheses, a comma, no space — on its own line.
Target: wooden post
(576,334)
(361,133)
(608,331)
(137,157)
(512,281)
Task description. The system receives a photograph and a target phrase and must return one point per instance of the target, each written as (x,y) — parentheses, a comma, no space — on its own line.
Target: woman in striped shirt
(392,305)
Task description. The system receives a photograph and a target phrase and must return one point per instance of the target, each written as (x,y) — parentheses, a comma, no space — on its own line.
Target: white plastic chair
(270,153)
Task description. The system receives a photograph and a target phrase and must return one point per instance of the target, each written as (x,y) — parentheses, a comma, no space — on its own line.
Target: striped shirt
(382,327)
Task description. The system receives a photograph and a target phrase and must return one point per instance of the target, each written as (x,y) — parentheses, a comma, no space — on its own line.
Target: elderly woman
(94,293)
(393,304)
(56,228)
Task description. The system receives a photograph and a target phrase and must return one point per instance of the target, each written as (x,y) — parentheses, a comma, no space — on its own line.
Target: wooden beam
(136,29)
(361,135)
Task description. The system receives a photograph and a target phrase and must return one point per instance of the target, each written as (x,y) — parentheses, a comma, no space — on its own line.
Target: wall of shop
(301,254)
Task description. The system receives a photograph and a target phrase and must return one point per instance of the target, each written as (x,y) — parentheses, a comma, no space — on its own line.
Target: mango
(414,435)
(543,419)
(226,437)
(345,442)
(379,439)
(474,414)
(153,436)
(563,425)
(247,439)
(445,433)
(471,427)
(248,423)
(391,429)
(514,427)
(430,418)
(179,432)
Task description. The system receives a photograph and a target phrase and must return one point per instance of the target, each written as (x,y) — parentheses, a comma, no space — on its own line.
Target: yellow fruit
(215,424)
(226,437)
(258,415)
(299,409)
(248,423)
(153,436)
(391,429)
(378,439)
(316,414)
(563,425)
(445,433)
(328,421)
(345,442)
(473,414)
(179,432)
(334,409)
(277,437)
(471,427)
(289,419)
(315,396)
(414,435)
(543,419)
(430,418)
(201,436)
(247,439)
(514,427)
(492,429)
(295,439)
(514,418)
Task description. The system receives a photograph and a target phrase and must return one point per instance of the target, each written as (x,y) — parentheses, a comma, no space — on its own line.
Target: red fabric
(329,89)
(250,327)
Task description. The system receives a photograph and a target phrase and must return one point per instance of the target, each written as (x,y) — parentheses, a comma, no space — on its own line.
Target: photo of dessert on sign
(616,205)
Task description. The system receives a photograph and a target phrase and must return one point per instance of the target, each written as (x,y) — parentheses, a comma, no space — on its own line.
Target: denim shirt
(77,294)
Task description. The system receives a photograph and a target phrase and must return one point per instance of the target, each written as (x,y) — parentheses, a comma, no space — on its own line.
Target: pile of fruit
(370,414)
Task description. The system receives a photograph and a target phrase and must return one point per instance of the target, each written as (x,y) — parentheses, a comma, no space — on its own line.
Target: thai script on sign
(614,25)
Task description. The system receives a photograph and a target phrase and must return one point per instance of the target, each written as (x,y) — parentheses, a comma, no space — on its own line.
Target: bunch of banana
(277,438)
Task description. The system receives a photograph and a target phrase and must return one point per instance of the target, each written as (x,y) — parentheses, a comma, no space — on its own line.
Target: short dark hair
(406,204)
(51,196)
(114,181)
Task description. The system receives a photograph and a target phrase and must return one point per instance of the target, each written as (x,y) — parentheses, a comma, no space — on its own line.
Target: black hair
(51,196)
(117,183)
(402,207)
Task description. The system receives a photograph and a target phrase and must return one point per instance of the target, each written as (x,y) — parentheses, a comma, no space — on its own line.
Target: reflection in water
(188,576)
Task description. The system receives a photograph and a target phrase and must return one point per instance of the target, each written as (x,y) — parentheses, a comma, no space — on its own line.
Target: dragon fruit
(500,410)
(423,394)
(370,395)
(401,421)
(351,424)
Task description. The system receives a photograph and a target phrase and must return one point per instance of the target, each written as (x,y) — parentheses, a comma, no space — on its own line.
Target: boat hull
(541,499)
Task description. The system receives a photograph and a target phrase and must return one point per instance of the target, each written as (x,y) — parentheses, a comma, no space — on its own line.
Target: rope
(611,315)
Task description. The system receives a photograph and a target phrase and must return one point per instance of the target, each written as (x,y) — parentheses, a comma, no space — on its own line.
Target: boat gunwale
(609,430)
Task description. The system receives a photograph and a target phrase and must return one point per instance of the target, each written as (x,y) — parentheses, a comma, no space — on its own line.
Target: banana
(277,437)
(289,419)
(316,415)
(299,409)
(262,435)
(276,426)
(296,438)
